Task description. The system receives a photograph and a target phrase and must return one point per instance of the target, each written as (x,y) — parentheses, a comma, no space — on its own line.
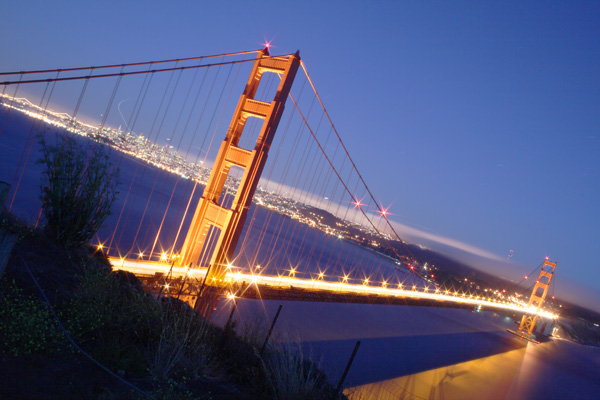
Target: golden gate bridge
(315,230)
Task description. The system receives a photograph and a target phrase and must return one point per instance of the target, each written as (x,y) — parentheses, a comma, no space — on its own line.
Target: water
(151,205)
(405,352)
(425,352)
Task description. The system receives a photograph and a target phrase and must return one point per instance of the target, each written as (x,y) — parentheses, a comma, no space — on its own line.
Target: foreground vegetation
(72,328)
(162,347)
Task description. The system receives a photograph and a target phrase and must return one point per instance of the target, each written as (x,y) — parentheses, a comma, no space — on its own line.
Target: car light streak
(149,268)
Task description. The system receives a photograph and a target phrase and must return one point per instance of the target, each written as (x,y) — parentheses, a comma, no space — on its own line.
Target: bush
(112,320)
(26,324)
(78,189)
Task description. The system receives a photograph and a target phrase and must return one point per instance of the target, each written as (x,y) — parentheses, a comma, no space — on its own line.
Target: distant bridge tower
(540,290)
(227,223)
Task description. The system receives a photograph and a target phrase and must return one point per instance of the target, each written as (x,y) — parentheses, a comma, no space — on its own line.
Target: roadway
(413,295)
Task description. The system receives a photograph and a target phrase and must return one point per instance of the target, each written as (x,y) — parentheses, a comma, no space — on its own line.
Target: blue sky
(477,121)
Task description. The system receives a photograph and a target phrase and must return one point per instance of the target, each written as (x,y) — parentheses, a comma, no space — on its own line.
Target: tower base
(207,300)
(522,336)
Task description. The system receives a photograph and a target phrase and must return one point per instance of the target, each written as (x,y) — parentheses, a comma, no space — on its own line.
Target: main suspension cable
(356,169)
(346,187)
(175,60)
(79,77)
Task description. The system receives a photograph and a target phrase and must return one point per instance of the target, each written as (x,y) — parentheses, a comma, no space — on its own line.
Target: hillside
(150,349)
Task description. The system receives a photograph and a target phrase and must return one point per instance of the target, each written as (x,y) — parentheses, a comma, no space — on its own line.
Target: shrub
(26,324)
(114,321)
(78,189)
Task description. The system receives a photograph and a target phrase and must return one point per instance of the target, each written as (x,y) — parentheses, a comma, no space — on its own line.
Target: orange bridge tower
(227,223)
(540,290)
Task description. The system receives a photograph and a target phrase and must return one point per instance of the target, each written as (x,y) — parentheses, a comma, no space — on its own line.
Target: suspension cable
(73,78)
(129,64)
(355,168)
(529,274)
(346,187)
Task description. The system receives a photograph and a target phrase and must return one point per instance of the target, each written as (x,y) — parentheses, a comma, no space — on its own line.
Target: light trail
(150,268)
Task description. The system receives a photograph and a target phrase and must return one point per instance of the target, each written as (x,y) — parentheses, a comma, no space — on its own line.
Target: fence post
(8,238)
(4,189)
(270,330)
(339,386)
(233,307)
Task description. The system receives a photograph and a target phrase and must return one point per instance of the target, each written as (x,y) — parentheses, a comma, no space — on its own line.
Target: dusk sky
(478,122)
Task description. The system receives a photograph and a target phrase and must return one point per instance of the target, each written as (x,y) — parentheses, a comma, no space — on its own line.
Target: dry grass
(181,344)
(293,376)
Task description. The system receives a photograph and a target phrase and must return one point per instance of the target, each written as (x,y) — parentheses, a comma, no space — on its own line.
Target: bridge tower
(227,223)
(540,290)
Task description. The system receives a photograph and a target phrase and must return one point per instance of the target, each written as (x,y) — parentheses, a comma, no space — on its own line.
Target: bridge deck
(187,283)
